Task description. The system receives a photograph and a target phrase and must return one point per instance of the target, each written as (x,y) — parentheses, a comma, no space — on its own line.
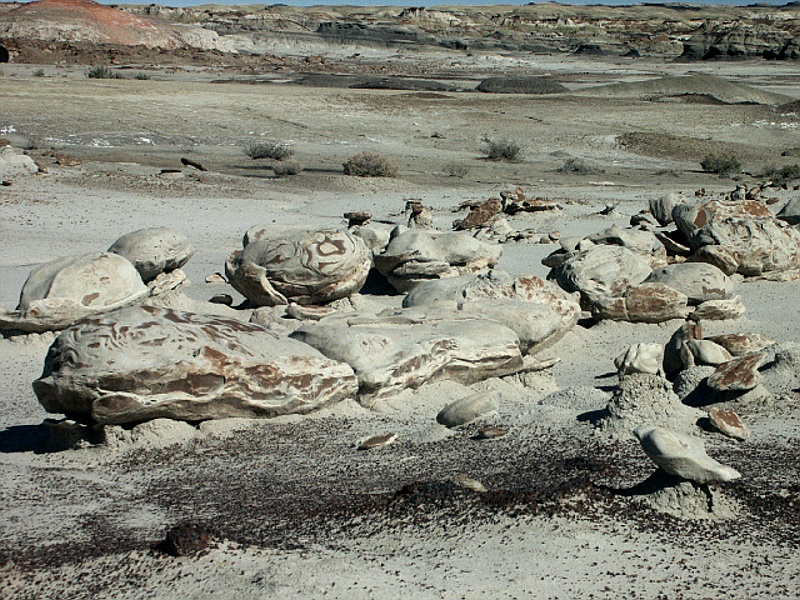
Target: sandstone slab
(143,363)
(405,348)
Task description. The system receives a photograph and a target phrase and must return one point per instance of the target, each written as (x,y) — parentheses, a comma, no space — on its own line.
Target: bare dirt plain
(293,508)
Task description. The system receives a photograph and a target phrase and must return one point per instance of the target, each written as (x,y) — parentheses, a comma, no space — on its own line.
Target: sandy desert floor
(294,509)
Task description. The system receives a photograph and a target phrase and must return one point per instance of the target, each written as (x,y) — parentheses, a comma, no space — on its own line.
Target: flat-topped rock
(405,348)
(143,363)
(738,374)
(64,291)
(539,312)
(699,281)
(682,455)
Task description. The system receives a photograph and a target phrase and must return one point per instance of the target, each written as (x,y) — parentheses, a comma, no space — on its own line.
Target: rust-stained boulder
(143,363)
(719,310)
(601,272)
(154,250)
(739,374)
(481,215)
(728,423)
(64,291)
(415,256)
(645,303)
(739,344)
(739,235)
(306,267)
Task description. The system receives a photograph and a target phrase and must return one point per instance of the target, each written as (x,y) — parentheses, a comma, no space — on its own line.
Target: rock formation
(143,363)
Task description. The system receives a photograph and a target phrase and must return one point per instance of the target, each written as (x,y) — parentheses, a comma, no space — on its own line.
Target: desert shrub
(575,166)
(273,150)
(782,175)
(455,170)
(369,164)
(721,164)
(102,73)
(503,149)
(38,73)
(286,169)
(141,76)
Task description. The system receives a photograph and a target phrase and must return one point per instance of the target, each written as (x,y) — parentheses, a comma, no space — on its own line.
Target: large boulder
(415,256)
(538,311)
(142,363)
(699,281)
(64,291)
(154,250)
(645,303)
(601,271)
(405,348)
(739,236)
(306,267)
(13,163)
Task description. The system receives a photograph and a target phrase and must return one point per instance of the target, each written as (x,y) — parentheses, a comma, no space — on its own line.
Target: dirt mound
(87,21)
(520,85)
(696,84)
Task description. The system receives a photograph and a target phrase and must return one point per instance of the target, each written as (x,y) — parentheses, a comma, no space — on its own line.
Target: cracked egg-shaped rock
(306,267)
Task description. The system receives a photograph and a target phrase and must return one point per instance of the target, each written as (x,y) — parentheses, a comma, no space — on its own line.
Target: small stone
(706,352)
(468,483)
(377,441)
(490,433)
(729,423)
(185,539)
(641,358)
(357,218)
(225,299)
(309,312)
(467,409)
(216,278)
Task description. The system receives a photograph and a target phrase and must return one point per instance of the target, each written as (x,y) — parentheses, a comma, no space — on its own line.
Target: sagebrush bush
(576,166)
(273,150)
(456,170)
(506,150)
(102,73)
(285,169)
(721,164)
(782,175)
(370,164)
(141,76)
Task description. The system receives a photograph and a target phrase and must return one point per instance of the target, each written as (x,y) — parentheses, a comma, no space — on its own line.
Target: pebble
(377,441)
